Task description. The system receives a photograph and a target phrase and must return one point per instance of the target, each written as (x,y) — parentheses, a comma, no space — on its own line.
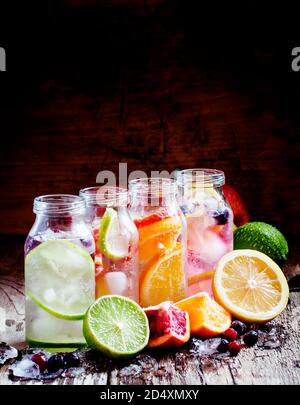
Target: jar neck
(200,178)
(105,196)
(153,192)
(59,205)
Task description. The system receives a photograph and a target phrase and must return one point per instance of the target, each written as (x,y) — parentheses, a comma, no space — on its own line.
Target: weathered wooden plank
(275,360)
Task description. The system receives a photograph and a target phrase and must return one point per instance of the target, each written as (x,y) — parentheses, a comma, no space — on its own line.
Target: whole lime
(264,238)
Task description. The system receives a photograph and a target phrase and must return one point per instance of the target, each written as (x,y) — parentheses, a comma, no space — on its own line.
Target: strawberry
(239,208)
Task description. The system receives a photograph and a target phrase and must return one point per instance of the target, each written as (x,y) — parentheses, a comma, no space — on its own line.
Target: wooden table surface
(275,360)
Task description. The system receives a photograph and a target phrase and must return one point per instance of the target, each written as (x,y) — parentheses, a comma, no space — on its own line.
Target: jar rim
(58,204)
(203,177)
(153,185)
(104,195)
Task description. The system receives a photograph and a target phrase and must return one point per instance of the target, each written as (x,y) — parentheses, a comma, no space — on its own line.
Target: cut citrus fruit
(116,326)
(250,285)
(113,243)
(169,325)
(60,278)
(160,227)
(199,277)
(207,317)
(158,237)
(163,278)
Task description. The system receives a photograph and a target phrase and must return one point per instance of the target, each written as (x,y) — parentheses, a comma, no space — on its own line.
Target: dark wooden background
(158,84)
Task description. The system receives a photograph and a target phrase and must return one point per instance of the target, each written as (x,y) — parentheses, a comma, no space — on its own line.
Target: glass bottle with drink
(59,272)
(162,240)
(116,238)
(209,224)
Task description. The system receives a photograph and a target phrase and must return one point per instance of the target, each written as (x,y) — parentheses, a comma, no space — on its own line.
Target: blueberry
(223,346)
(71,360)
(239,326)
(221,216)
(55,363)
(250,338)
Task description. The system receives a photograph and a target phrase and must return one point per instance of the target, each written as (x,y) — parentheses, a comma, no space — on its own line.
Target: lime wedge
(116,326)
(60,279)
(113,242)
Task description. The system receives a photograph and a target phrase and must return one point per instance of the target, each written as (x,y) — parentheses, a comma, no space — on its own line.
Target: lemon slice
(250,285)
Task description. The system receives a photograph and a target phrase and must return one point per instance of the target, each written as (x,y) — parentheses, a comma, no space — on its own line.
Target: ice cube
(116,282)
(213,248)
(49,295)
(25,368)
(7,352)
(205,347)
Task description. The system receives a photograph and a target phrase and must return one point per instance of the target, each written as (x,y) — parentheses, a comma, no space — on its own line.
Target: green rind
(73,246)
(94,342)
(264,238)
(72,346)
(55,313)
(105,224)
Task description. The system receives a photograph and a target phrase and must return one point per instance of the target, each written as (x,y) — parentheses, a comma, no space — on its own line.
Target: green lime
(264,238)
(60,279)
(113,241)
(116,326)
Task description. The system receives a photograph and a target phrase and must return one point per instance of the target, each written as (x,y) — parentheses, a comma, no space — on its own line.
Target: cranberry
(71,360)
(55,363)
(239,326)
(250,338)
(234,348)
(230,334)
(40,360)
(223,346)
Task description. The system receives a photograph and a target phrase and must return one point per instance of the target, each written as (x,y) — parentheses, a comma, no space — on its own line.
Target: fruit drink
(209,224)
(116,239)
(59,272)
(162,240)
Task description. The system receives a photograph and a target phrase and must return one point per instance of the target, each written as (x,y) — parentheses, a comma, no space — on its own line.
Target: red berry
(230,334)
(40,360)
(234,348)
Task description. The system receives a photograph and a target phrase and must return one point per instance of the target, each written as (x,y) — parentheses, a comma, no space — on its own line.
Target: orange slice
(163,278)
(199,277)
(207,317)
(158,237)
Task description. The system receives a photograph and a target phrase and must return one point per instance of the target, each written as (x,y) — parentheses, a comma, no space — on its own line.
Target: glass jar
(209,224)
(116,238)
(162,240)
(58,262)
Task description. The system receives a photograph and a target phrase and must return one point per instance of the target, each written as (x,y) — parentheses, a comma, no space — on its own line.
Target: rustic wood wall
(157,84)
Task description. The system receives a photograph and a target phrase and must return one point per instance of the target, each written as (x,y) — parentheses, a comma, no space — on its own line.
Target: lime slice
(113,242)
(116,326)
(60,279)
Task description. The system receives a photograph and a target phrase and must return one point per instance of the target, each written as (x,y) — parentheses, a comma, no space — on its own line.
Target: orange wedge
(163,278)
(207,317)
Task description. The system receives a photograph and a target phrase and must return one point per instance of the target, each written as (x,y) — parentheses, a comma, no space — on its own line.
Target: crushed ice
(7,352)
(205,347)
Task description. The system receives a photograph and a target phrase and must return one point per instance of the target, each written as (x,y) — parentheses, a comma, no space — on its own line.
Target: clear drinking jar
(209,224)
(59,272)
(162,240)
(116,239)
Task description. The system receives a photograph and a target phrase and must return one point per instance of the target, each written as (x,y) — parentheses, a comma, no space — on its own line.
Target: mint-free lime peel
(116,326)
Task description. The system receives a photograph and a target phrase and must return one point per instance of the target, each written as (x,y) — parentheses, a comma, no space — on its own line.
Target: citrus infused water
(59,272)
(116,239)
(209,224)
(162,240)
